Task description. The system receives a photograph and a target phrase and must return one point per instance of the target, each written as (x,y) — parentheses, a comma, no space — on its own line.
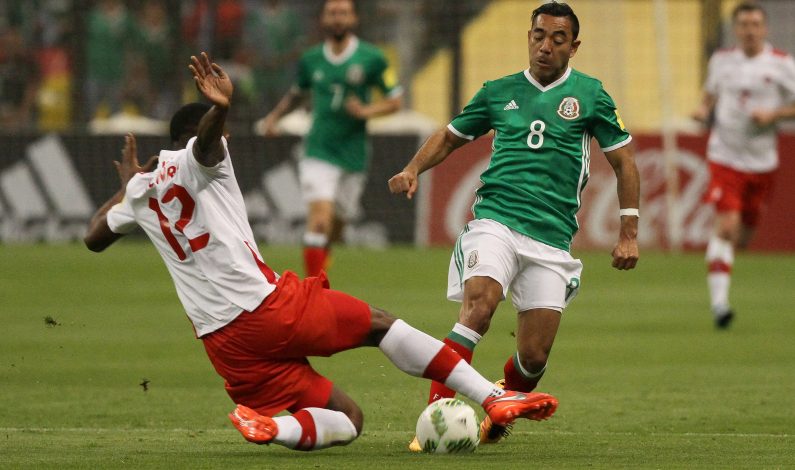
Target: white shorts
(323,181)
(538,275)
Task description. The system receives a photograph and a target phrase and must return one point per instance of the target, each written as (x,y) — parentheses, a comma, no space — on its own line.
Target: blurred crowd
(62,65)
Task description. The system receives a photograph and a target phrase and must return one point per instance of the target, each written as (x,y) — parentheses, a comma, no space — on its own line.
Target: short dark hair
(186,120)
(323,6)
(746,7)
(559,10)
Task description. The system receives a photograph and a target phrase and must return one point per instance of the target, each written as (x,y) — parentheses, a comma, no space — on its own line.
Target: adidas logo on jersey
(511,105)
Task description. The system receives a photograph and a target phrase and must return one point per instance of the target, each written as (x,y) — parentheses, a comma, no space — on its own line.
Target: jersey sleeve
(304,78)
(475,119)
(121,217)
(220,170)
(383,78)
(711,84)
(607,126)
(788,81)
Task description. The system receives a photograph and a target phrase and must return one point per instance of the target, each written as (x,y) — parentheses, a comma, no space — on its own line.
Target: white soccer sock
(318,240)
(720,258)
(412,351)
(331,428)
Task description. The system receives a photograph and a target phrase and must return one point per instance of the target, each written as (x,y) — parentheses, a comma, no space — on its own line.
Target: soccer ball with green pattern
(448,426)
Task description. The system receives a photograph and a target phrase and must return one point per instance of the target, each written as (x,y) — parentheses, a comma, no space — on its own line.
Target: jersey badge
(510,106)
(569,108)
(355,74)
(473,259)
(317,76)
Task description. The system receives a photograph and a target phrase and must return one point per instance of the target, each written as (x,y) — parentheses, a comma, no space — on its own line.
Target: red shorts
(737,191)
(262,355)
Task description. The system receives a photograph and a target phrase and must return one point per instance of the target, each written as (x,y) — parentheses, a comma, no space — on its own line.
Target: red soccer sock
(315,259)
(439,390)
(516,380)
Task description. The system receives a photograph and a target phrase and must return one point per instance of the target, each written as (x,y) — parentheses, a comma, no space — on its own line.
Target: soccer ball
(448,426)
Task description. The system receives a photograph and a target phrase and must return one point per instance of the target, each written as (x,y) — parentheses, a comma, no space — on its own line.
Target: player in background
(258,327)
(543,120)
(339,75)
(749,88)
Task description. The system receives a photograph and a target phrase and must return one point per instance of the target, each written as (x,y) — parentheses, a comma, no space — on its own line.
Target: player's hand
(701,115)
(625,254)
(211,80)
(763,118)
(404,182)
(129,166)
(268,127)
(355,107)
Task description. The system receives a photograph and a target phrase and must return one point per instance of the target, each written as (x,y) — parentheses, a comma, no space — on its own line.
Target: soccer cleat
(504,409)
(491,433)
(723,320)
(253,426)
(414,445)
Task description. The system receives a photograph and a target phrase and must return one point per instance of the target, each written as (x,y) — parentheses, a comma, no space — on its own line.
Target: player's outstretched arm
(383,107)
(99,235)
(216,86)
(289,102)
(438,146)
(625,254)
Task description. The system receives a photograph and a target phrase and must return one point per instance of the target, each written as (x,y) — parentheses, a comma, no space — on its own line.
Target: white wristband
(630,212)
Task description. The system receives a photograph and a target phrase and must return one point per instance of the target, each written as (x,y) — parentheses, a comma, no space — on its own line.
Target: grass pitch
(99,367)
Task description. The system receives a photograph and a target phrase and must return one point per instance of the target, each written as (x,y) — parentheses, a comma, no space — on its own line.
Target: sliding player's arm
(216,86)
(433,151)
(622,159)
(99,235)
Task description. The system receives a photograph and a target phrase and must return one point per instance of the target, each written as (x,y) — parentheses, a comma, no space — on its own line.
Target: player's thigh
(759,190)
(330,322)
(319,179)
(726,189)
(349,194)
(484,248)
(549,278)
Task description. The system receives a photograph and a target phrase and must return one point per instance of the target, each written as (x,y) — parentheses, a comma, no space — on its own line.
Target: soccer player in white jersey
(749,88)
(525,210)
(258,327)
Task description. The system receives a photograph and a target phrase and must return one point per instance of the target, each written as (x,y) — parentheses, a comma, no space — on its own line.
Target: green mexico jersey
(541,151)
(336,136)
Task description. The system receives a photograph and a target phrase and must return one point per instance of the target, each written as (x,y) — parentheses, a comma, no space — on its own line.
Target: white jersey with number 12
(196,218)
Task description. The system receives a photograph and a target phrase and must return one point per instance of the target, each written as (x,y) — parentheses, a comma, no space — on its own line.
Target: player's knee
(476,314)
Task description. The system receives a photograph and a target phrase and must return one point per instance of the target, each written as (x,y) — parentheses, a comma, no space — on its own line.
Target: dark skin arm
(99,235)
(433,152)
(215,85)
(625,254)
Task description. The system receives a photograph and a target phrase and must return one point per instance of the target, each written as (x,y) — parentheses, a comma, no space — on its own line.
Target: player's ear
(574,46)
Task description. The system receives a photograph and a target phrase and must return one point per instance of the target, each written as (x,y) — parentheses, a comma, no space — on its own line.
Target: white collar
(552,85)
(342,56)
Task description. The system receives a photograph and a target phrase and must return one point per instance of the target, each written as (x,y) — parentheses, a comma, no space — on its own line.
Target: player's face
(750,28)
(551,44)
(338,18)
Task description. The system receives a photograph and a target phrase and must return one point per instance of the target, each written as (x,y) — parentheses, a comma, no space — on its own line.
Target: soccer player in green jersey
(340,75)
(525,210)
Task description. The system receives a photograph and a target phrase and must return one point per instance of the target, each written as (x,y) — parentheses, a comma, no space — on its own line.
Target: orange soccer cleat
(503,410)
(253,426)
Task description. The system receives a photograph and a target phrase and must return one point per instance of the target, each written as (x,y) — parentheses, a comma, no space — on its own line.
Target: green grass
(643,378)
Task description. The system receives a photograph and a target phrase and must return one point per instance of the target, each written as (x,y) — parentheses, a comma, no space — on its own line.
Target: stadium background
(57,138)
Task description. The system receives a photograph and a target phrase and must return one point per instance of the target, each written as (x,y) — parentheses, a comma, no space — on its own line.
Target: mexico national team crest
(473,259)
(569,108)
(355,74)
